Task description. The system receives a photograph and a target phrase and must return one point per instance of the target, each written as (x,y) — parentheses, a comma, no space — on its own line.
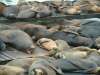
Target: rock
(11,70)
(19,39)
(47,44)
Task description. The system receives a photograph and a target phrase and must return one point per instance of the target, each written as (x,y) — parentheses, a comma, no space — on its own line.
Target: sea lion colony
(45,9)
(57,48)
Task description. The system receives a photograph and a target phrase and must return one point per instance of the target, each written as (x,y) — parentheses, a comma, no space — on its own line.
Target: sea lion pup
(11,70)
(19,39)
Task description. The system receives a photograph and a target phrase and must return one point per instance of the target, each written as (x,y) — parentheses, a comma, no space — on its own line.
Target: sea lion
(62,45)
(72,38)
(29,28)
(19,39)
(2,7)
(90,28)
(10,11)
(24,63)
(41,33)
(47,43)
(42,66)
(60,66)
(11,70)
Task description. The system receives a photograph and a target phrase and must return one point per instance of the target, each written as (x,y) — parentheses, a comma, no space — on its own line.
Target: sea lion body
(19,39)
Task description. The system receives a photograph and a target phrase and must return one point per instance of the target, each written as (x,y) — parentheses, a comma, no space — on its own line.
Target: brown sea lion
(19,39)
(2,6)
(28,27)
